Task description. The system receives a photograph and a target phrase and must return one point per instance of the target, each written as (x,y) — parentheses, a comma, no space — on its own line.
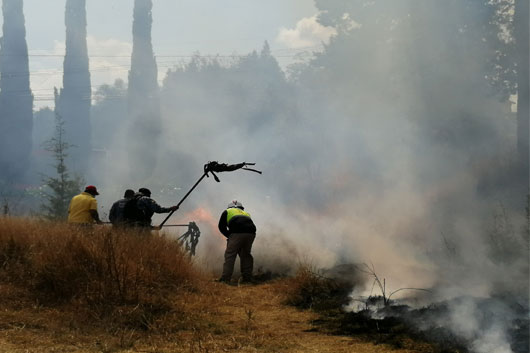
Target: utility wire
(295,51)
(125,67)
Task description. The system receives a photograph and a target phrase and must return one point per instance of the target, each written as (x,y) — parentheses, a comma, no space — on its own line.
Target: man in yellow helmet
(237,226)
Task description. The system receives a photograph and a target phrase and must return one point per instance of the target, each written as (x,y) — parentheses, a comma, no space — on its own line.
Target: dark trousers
(239,244)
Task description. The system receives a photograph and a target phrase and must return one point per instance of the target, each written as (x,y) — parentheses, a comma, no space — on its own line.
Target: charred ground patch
(434,325)
(462,324)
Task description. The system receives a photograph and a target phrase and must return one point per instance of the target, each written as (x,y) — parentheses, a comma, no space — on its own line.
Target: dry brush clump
(99,267)
(310,290)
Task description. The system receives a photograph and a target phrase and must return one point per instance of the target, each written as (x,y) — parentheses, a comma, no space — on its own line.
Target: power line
(187,56)
(293,50)
(162,64)
(102,68)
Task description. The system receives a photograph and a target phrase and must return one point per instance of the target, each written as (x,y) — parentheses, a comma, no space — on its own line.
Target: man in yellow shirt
(84,207)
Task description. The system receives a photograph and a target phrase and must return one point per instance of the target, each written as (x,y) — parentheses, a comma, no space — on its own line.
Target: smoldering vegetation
(462,324)
(434,325)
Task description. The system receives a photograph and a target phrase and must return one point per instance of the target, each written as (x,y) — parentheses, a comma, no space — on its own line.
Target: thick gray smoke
(391,147)
(395,146)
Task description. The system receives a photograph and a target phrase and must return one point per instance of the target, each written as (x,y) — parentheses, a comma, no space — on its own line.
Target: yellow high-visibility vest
(234,211)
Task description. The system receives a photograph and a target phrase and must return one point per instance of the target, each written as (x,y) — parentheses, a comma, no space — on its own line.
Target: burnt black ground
(395,324)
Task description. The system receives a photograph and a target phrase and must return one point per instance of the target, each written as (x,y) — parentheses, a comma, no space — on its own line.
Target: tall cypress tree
(16,99)
(143,95)
(74,100)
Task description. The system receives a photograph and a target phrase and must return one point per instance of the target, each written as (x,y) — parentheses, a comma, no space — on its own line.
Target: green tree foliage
(226,102)
(252,91)
(504,64)
(395,59)
(109,114)
(59,189)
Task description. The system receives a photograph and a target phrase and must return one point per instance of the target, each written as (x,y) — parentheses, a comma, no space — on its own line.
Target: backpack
(132,215)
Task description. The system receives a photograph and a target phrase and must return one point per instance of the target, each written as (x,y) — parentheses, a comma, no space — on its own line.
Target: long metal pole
(181,201)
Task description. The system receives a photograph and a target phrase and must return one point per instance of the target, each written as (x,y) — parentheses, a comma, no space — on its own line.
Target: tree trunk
(523,132)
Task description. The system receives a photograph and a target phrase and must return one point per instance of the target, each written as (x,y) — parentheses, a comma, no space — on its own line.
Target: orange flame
(202,215)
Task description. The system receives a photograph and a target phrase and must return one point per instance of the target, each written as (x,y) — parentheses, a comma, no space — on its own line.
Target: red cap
(91,189)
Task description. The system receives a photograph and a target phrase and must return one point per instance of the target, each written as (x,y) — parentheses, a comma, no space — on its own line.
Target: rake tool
(212,168)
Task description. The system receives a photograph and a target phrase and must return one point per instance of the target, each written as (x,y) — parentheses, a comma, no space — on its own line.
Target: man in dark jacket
(117,211)
(237,226)
(147,207)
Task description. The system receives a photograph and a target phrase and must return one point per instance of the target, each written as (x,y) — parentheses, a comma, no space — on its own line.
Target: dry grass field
(64,289)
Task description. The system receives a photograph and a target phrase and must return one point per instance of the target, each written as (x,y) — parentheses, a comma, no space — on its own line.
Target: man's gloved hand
(174,208)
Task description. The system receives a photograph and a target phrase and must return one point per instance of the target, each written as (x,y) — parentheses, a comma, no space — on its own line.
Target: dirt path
(254,319)
(220,318)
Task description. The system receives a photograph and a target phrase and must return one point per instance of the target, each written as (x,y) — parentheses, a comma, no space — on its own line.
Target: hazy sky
(180,29)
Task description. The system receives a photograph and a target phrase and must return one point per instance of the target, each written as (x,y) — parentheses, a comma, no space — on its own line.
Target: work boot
(246,280)
(223,280)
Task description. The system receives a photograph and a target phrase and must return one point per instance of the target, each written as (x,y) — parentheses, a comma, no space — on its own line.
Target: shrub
(308,289)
